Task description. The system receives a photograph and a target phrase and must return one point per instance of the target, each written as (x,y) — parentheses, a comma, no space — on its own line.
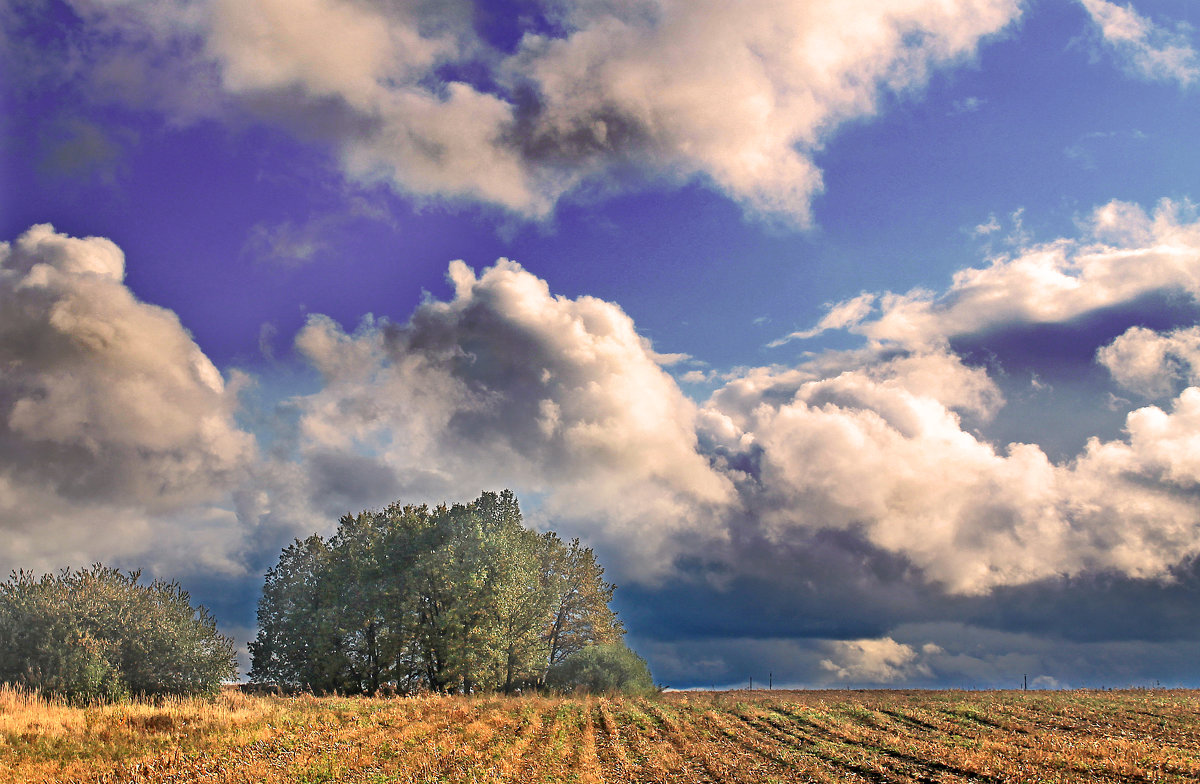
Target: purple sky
(859,338)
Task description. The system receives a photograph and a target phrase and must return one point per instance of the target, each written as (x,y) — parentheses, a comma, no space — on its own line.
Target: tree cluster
(98,634)
(416,598)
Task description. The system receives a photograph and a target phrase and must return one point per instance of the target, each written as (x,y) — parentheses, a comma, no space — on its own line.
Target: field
(833,736)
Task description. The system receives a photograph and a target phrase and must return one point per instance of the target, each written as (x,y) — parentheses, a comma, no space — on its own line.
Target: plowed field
(840,736)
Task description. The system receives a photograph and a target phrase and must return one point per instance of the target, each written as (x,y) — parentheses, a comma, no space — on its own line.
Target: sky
(860,338)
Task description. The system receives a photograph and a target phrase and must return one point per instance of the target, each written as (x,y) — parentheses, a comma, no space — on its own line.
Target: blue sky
(858,338)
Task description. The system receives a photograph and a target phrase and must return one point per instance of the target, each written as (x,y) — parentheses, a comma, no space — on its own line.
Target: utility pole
(1025,685)
(770,680)
(751,683)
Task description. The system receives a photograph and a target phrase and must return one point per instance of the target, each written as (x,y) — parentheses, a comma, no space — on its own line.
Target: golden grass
(873,736)
(50,740)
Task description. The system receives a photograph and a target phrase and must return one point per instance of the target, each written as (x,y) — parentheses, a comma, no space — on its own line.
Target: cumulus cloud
(880,452)
(1124,254)
(417,95)
(1162,446)
(894,465)
(1149,362)
(115,428)
(741,94)
(876,661)
(508,384)
(1145,49)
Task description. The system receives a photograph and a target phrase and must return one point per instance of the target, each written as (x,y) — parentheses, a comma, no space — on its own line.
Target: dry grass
(881,736)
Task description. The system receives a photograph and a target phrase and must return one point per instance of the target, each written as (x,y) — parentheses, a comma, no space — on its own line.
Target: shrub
(602,669)
(97,634)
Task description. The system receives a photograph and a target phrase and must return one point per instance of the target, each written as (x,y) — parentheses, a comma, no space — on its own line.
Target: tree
(602,669)
(298,643)
(98,634)
(458,597)
(581,615)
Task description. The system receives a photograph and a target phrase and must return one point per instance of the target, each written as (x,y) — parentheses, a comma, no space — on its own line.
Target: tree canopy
(461,597)
(99,634)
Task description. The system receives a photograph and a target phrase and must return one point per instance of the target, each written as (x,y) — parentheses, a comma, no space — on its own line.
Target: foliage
(446,599)
(97,634)
(602,669)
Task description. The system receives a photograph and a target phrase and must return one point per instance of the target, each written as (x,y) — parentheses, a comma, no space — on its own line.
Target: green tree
(99,634)
(602,669)
(300,644)
(460,597)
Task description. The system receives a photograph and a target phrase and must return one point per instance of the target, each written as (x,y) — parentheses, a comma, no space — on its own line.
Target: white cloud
(1144,48)
(506,384)
(1125,254)
(741,95)
(840,316)
(876,661)
(862,452)
(991,226)
(325,47)
(116,431)
(1047,682)
(1161,446)
(968,105)
(1149,362)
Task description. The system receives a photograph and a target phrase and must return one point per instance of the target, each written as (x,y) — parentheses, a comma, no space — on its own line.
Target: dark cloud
(1068,348)
(832,585)
(345,483)
(323,118)
(79,150)
(1097,607)
(1061,396)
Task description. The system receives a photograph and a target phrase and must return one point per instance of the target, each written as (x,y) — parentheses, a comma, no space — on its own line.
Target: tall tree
(299,643)
(580,615)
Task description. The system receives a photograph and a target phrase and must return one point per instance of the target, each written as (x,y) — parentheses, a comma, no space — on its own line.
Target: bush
(602,669)
(97,634)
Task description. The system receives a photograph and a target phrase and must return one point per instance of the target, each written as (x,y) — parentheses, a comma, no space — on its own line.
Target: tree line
(449,598)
